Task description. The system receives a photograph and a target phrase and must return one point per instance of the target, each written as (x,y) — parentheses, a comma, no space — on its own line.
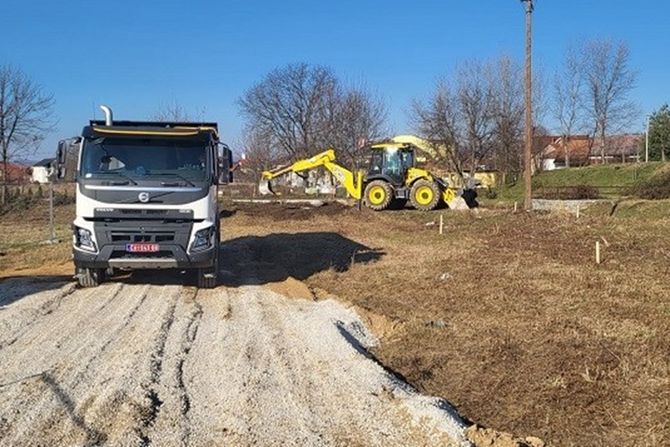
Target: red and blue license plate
(142,248)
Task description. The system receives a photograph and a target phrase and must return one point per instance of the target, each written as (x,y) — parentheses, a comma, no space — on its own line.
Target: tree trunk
(4,182)
(565,153)
(473,164)
(602,146)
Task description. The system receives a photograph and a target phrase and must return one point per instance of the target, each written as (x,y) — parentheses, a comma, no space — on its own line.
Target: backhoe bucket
(265,188)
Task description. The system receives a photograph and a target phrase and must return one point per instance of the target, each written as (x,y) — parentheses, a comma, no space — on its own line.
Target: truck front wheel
(208,278)
(87,277)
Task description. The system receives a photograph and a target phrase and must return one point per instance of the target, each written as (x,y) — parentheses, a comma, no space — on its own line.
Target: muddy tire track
(188,339)
(151,393)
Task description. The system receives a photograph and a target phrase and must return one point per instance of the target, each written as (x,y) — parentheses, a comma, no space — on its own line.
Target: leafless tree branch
(26,117)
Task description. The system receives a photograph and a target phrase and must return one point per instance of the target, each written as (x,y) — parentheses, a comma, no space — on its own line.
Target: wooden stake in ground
(597,252)
(52,228)
(441,223)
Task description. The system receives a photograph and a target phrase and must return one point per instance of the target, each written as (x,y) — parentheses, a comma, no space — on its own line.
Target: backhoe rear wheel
(378,195)
(425,195)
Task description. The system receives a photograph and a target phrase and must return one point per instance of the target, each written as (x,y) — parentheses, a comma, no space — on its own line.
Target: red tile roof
(16,173)
(578,147)
(582,147)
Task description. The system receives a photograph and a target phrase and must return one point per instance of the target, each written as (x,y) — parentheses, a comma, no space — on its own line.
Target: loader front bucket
(265,188)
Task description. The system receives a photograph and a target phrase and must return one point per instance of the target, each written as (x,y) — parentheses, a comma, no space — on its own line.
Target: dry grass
(534,338)
(23,247)
(537,339)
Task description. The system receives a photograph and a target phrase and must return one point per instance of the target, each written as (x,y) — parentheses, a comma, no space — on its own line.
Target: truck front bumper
(170,256)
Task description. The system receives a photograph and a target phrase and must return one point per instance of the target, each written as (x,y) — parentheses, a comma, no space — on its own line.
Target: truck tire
(208,278)
(378,195)
(425,195)
(89,277)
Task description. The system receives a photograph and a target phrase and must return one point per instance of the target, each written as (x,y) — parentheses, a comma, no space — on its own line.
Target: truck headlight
(84,239)
(202,239)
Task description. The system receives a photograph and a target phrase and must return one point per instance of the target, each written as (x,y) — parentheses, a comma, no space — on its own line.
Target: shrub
(655,188)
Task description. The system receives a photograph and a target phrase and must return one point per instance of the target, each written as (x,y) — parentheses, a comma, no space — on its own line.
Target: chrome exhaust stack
(109,117)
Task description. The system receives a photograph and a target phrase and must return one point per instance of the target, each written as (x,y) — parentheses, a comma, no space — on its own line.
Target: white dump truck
(146,197)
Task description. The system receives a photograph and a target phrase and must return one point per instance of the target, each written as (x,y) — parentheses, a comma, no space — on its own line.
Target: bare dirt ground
(506,316)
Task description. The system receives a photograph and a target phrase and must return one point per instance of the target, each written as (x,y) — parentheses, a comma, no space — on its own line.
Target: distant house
(16,174)
(618,149)
(576,150)
(41,170)
(582,150)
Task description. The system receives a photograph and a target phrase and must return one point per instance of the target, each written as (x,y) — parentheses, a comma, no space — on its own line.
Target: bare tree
(259,153)
(360,119)
(296,105)
(438,121)
(609,82)
(568,104)
(460,116)
(475,97)
(508,113)
(173,112)
(26,116)
(299,109)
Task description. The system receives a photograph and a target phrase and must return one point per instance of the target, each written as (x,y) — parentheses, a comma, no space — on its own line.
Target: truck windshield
(137,157)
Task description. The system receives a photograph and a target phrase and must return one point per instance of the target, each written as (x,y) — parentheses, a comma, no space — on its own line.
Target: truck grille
(147,236)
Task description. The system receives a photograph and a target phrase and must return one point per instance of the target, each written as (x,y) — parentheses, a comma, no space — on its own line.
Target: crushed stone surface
(134,364)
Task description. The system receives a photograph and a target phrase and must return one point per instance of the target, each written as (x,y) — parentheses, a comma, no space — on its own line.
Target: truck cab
(146,198)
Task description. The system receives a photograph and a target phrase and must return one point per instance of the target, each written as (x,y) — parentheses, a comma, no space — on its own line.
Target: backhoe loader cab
(392,179)
(390,162)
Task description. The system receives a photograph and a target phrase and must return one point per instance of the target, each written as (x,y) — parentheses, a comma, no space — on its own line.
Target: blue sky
(138,55)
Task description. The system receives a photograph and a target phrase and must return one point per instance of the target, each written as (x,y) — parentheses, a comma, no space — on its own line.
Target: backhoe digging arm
(350,181)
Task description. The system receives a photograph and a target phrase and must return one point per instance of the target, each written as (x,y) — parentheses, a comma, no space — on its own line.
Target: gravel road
(135,364)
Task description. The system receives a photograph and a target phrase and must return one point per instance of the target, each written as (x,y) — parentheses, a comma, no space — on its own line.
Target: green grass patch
(613,180)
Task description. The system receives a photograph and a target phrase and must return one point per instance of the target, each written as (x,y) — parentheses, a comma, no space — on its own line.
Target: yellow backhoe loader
(391,178)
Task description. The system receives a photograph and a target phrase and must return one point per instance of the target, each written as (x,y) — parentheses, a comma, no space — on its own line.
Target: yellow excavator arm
(352,182)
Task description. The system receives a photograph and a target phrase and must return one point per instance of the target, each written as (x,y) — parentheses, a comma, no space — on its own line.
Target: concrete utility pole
(528,150)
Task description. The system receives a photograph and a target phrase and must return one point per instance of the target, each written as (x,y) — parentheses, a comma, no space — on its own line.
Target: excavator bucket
(265,188)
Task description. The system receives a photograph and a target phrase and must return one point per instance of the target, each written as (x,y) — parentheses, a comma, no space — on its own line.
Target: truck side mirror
(231,166)
(225,161)
(61,158)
